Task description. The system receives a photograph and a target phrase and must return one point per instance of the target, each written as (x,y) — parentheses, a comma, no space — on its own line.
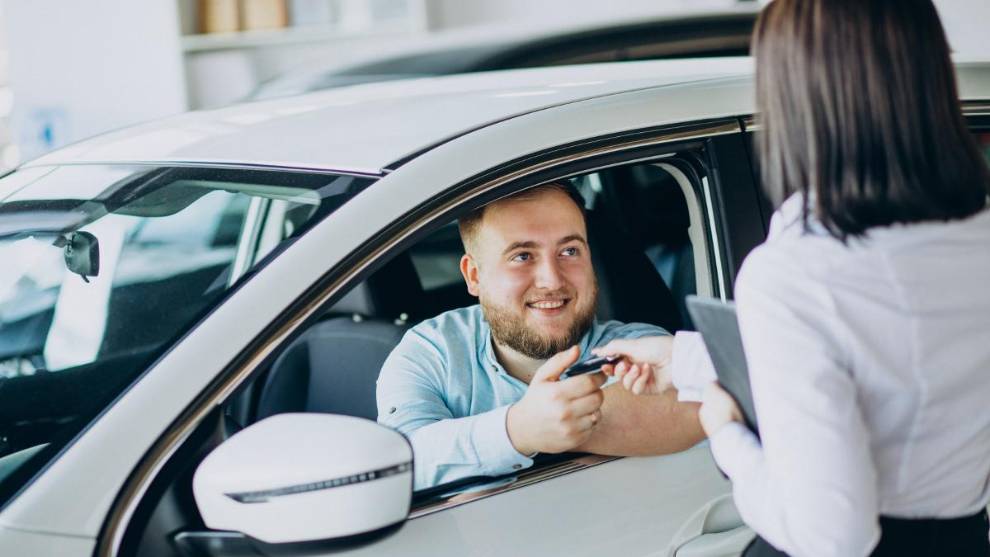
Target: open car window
(105,267)
(649,234)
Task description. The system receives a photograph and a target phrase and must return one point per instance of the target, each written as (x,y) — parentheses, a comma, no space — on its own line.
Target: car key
(593,365)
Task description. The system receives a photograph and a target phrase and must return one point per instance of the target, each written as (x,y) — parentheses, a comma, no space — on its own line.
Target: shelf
(289,36)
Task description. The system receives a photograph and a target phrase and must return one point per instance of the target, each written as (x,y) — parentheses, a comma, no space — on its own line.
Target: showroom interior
(72,70)
(695,278)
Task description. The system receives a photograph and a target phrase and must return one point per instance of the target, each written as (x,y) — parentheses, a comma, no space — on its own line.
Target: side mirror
(299,478)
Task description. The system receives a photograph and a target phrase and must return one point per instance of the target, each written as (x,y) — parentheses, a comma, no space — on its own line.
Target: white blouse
(870,372)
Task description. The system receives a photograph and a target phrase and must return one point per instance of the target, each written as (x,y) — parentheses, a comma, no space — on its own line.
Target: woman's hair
(860,114)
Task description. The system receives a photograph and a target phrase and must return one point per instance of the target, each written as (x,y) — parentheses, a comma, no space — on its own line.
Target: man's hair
(469,224)
(860,114)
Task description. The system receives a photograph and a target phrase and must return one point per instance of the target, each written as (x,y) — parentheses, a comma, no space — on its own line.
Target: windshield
(103,268)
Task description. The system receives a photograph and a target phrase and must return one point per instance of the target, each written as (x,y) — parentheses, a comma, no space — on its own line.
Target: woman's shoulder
(797,256)
(796,240)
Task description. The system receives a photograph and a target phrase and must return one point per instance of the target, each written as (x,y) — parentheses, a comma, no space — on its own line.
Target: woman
(866,314)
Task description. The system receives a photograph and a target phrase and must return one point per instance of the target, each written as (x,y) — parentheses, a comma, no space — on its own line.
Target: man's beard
(511,330)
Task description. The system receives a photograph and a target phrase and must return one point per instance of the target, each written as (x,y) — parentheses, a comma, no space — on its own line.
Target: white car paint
(501,32)
(45,520)
(288,450)
(367,127)
(652,495)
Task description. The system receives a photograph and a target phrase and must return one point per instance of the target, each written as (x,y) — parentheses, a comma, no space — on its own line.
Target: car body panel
(647,498)
(367,127)
(42,544)
(379,124)
(501,34)
(534,43)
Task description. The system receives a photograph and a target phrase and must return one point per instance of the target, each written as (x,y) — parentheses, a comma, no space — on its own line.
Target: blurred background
(70,69)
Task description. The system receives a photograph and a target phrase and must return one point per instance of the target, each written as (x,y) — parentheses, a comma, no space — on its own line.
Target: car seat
(333,366)
(631,289)
(645,210)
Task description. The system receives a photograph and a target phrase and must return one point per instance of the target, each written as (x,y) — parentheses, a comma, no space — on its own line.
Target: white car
(532,44)
(193,311)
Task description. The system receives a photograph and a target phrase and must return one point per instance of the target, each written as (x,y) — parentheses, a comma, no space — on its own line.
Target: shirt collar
(787,220)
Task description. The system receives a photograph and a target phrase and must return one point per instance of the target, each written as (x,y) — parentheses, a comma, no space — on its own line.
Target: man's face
(531,270)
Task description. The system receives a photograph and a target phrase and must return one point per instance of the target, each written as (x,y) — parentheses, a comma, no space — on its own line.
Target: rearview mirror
(82,254)
(299,478)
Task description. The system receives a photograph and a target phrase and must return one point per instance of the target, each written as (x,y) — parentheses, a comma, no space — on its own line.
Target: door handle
(715,530)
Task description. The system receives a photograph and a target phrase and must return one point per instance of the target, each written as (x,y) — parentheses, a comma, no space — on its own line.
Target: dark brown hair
(469,223)
(860,113)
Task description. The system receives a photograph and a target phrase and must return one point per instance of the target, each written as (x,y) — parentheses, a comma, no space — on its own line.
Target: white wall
(967,23)
(78,68)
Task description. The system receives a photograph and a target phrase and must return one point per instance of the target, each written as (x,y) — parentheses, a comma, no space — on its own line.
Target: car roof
(369,128)
(366,127)
(503,45)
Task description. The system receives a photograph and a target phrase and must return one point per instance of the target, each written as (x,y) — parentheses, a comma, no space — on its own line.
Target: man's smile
(548,307)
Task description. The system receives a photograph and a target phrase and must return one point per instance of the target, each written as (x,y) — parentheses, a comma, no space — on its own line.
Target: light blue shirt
(443,388)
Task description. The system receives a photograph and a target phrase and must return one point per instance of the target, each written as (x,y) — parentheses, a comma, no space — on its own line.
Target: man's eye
(570,252)
(521,257)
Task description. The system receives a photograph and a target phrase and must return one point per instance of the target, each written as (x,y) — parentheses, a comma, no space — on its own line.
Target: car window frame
(619,149)
(712,190)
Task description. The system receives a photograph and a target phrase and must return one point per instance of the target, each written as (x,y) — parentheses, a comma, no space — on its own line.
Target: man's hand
(645,364)
(556,416)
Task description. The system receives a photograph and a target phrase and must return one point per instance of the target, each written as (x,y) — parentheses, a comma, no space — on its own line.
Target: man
(476,390)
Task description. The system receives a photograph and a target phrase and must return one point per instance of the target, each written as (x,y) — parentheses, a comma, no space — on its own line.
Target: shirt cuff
(736,450)
(493,446)
(691,367)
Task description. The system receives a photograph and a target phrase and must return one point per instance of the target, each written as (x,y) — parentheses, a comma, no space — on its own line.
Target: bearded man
(475,389)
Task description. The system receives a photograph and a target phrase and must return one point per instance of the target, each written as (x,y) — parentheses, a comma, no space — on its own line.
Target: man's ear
(469,269)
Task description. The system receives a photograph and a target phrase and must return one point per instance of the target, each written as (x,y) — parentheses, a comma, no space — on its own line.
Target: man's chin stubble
(516,335)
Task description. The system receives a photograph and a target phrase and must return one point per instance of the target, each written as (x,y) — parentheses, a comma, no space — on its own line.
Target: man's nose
(548,275)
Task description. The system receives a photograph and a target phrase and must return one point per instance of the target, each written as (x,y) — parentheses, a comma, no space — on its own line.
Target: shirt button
(516,466)
(391,410)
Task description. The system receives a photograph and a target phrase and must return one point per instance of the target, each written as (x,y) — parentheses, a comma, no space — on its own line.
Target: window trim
(354,268)
(247,244)
(700,205)
(704,241)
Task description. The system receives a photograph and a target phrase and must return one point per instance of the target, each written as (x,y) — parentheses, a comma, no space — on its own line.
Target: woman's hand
(644,367)
(717,409)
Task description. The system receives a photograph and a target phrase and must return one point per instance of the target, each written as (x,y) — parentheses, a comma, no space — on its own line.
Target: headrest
(651,205)
(631,288)
(390,292)
(357,301)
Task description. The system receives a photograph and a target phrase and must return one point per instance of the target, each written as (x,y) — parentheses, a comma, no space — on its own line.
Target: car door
(678,503)
(582,504)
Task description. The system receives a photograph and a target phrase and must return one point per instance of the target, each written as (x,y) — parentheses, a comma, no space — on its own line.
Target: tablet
(716,321)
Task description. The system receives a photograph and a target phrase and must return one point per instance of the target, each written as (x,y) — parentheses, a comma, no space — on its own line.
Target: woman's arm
(810,488)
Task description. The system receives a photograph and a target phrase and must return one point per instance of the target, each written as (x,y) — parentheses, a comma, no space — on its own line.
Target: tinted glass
(984,139)
(103,268)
